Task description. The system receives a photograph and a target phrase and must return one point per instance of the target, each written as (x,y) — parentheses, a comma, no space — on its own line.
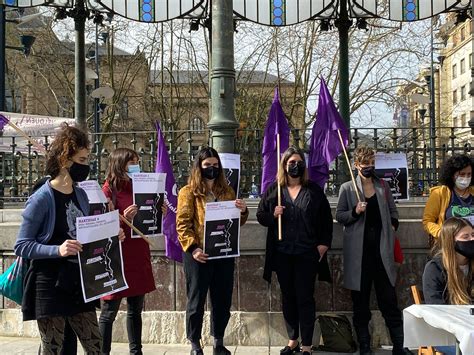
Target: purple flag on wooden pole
(276,124)
(325,144)
(163,165)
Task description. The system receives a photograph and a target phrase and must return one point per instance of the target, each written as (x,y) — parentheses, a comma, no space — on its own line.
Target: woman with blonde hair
(447,278)
(206,184)
(301,253)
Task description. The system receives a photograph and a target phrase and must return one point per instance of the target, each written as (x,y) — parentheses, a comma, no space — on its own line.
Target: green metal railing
(21,166)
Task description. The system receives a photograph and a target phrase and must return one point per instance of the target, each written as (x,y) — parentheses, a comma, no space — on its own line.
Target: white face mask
(462,182)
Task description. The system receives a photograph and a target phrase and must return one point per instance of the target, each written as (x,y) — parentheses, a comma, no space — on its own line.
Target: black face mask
(368,171)
(210,173)
(296,170)
(465,248)
(79,172)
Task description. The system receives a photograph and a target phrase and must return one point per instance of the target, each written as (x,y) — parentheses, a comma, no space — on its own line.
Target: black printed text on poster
(397,180)
(101,268)
(149,217)
(222,238)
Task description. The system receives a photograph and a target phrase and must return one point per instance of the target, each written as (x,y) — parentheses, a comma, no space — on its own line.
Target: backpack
(336,334)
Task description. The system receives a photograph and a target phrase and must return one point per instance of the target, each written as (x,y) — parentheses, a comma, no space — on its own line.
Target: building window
(463,93)
(463,34)
(463,120)
(124,109)
(463,66)
(455,97)
(470,60)
(455,71)
(197,125)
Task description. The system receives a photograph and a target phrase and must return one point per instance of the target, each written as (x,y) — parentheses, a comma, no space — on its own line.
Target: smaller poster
(231,167)
(97,198)
(222,230)
(100,261)
(149,196)
(393,168)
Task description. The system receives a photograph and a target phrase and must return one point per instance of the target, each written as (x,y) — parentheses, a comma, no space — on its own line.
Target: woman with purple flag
(206,184)
(369,242)
(123,163)
(301,253)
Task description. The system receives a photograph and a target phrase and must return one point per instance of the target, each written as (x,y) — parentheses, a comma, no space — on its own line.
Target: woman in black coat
(301,253)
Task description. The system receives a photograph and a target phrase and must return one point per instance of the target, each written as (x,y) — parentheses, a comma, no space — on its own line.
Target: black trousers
(297,275)
(108,313)
(373,272)
(217,276)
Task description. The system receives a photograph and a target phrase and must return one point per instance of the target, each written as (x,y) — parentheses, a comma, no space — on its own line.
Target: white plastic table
(426,325)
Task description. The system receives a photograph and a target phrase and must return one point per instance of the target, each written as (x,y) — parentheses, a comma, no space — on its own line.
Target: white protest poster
(231,167)
(100,261)
(97,198)
(222,230)
(149,196)
(393,168)
(37,127)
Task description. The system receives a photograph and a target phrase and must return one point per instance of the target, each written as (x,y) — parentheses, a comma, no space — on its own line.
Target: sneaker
(197,352)
(290,351)
(221,350)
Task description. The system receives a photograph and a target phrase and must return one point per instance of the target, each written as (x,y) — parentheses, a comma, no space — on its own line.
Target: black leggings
(134,323)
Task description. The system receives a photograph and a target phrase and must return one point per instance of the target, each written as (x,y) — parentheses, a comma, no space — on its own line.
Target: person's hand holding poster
(97,198)
(100,262)
(148,195)
(222,230)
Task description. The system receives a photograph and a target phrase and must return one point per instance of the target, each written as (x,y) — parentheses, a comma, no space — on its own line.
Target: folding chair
(418,299)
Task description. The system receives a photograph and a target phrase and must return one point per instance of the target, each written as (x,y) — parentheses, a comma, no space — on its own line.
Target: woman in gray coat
(368,250)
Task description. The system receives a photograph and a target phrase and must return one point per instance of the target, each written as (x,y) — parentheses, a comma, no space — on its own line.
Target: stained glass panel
(281,12)
(405,10)
(151,10)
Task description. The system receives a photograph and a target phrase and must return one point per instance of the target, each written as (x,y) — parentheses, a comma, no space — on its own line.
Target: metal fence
(21,166)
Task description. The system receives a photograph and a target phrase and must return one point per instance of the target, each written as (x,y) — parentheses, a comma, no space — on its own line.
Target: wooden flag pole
(127,222)
(278,185)
(24,135)
(349,165)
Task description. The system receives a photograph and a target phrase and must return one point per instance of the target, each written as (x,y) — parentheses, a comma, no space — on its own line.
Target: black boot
(363,338)
(396,334)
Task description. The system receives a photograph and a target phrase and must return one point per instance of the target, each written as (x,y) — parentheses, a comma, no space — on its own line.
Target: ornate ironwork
(20,168)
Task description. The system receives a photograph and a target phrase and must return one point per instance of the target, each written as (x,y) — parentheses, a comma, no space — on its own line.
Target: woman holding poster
(206,184)
(47,236)
(123,163)
(369,225)
(300,254)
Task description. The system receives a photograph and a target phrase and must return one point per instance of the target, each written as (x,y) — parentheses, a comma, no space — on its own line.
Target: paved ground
(29,346)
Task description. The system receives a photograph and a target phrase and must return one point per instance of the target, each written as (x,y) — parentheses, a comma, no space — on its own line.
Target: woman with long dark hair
(301,253)
(47,236)
(123,163)
(206,184)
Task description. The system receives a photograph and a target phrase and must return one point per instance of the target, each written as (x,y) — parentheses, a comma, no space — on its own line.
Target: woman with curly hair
(454,197)
(47,236)
(206,184)
(447,278)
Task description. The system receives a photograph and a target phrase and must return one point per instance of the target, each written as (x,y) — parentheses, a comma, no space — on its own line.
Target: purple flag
(163,165)
(325,144)
(3,122)
(276,124)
